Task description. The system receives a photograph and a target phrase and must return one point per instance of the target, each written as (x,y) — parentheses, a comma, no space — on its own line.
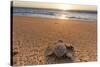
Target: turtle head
(60,41)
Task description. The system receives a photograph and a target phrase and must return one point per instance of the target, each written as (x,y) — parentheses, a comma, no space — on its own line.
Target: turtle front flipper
(48,51)
(70,52)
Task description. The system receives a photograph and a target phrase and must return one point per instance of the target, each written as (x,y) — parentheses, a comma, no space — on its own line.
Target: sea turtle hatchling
(61,49)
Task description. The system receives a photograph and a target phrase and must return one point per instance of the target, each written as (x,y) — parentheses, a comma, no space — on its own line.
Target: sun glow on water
(62,16)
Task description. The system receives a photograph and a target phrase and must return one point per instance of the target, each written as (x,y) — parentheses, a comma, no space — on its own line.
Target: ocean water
(51,13)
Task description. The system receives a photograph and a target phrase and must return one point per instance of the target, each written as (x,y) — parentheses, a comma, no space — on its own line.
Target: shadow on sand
(52,59)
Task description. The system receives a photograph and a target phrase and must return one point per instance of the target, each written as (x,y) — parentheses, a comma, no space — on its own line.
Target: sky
(63,6)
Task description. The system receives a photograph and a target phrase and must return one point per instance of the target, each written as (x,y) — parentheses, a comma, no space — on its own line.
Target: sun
(64,7)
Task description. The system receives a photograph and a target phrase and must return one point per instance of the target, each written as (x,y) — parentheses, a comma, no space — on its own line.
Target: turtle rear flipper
(69,54)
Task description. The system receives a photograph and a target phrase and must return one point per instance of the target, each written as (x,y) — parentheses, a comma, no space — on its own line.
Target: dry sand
(32,35)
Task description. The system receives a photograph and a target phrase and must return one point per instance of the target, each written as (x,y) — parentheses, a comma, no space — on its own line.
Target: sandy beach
(32,35)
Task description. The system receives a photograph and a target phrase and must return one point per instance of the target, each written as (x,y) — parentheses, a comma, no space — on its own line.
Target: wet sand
(32,35)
